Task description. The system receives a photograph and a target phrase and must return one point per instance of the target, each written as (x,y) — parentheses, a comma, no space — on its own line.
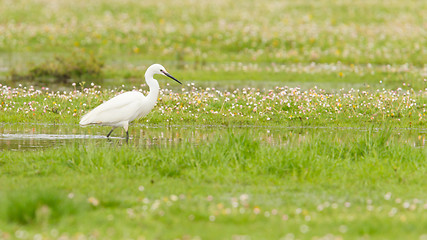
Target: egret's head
(159,69)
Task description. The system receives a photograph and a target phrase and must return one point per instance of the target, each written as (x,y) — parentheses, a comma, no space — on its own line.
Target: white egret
(122,109)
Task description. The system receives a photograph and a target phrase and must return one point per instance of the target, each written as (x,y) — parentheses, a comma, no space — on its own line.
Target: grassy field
(279,106)
(368,185)
(352,72)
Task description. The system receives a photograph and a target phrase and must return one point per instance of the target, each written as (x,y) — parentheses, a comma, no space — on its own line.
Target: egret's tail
(85,120)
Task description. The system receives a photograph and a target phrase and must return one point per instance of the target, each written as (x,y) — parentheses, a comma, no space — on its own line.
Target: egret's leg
(108,135)
(126,127)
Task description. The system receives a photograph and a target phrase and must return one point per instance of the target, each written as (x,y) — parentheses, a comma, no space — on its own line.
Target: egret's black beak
(167,74)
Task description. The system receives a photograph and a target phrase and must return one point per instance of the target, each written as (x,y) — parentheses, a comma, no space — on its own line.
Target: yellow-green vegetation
(296,120)
(78,65)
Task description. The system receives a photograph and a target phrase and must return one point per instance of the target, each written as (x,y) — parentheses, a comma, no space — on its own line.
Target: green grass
(368,185)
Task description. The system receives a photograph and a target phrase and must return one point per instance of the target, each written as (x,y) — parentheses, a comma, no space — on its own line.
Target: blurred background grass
(229,40)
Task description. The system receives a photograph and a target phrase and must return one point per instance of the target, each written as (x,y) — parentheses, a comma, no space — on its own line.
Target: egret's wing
(120,108)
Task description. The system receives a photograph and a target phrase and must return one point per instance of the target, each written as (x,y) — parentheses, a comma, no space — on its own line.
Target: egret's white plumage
(122,109)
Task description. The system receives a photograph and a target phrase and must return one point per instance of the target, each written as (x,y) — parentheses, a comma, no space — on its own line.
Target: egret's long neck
(154,87)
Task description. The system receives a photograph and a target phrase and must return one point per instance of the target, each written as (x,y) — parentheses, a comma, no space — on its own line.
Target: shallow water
(22,137)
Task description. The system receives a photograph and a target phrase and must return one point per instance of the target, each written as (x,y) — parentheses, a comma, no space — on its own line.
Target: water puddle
(45,136)
(23,137)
